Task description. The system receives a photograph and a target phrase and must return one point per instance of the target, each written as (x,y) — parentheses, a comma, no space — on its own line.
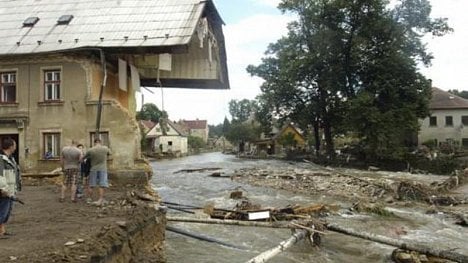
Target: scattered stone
(80,240)
(12,258)
(122,224)
(236,195)
(70,243)
(389,200)
(145,197)
(215,174)
(423,258)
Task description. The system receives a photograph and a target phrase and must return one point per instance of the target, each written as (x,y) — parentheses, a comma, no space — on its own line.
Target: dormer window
(30,21)
(64,20)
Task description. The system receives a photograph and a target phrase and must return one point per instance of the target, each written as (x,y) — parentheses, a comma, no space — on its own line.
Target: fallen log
(267,255)
(180,209)
(276,224)
(444,254)
(201,237)
(207,207)
(196,170)
(177,204)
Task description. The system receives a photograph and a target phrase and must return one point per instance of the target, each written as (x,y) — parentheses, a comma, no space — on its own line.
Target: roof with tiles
(99,24)
(446,100)
(148,124)
(195,124)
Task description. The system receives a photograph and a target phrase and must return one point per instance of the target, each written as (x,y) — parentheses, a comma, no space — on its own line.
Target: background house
(70,69)
(280,140)
(196,128)
(448,122)
(170,141)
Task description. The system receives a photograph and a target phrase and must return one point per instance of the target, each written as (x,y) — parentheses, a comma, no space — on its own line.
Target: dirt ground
(43,225)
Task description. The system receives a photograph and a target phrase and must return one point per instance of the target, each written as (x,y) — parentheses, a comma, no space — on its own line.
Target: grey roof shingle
(103,23)
(445,100)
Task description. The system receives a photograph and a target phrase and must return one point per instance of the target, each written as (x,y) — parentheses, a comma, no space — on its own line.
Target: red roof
(196,124)
(148,124)
(445,100)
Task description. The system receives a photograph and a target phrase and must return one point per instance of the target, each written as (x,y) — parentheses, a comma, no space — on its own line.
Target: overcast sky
(252,24)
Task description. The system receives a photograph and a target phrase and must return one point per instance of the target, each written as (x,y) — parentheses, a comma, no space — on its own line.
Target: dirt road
(43,225)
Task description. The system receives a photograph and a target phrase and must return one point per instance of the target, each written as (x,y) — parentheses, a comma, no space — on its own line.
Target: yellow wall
(299,138)
(74,116)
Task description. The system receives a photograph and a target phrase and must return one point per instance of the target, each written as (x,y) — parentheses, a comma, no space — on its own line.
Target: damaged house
(70,69)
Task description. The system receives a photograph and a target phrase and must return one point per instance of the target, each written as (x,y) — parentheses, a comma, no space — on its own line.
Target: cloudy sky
(252,24)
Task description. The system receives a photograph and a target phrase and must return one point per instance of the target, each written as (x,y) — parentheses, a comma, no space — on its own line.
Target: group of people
(77,166)
(84,168)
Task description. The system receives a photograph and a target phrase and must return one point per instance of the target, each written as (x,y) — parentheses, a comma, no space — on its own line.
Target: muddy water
(198,189)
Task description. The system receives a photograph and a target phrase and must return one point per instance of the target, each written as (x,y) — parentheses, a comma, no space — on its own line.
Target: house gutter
(101,91)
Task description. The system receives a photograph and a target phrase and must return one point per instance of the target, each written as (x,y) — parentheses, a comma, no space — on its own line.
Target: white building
(448,122)
(172,142)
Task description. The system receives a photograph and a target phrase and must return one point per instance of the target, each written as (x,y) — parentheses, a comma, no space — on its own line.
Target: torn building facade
(71,69)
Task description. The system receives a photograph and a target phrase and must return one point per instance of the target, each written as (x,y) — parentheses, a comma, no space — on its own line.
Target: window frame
(56,144)
(56,84)
(8,84)
(448,121)
(104,141)
(464,143)
(464,120)
(432,121)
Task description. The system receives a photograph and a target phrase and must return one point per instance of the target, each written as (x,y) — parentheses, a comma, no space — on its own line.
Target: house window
(465,142)
(8,87)
(464,120)
(448,121)
(433,121)
(52,85)
(169,143)
(104,136)
(51,145)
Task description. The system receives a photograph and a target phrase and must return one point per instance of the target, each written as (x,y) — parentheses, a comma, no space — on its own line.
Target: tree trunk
(277,224)
(317,137)
(267,255)
(445,254)
(328,138)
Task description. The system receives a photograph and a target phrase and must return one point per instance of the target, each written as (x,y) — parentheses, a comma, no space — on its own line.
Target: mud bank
(128,228)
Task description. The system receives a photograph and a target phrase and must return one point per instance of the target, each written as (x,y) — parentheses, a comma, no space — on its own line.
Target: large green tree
(215,130)
(242,132)
(241,110)
(149,112)
(351,65)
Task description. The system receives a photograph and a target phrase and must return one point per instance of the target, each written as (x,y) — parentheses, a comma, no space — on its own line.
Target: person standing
(83,182)
(10,182)
(98,172)
(70,160)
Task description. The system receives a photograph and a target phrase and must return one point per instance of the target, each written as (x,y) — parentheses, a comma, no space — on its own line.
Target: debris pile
(369,187)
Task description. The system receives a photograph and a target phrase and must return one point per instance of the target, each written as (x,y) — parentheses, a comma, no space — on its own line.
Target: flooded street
(199,189)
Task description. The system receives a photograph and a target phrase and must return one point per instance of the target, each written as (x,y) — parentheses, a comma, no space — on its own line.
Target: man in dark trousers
(10,183)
